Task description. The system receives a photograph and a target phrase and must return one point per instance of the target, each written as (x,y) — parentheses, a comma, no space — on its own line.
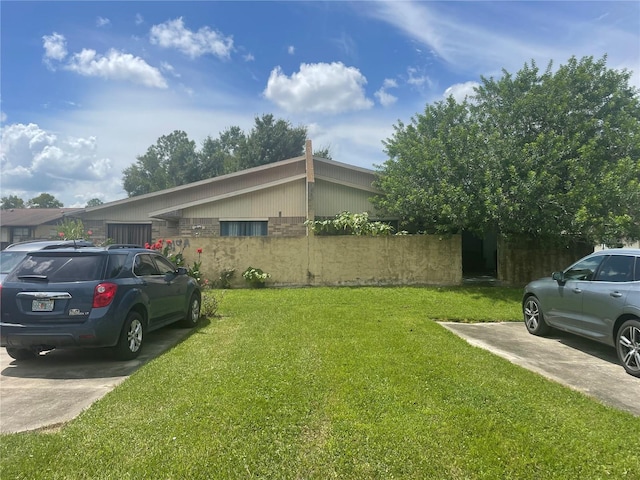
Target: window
(20,234)
(616,268)
(243,229)
(61,268)
(584,269)
(164,265)
(143,265)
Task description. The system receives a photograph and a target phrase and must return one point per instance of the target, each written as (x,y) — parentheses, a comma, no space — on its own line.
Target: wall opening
(479,256)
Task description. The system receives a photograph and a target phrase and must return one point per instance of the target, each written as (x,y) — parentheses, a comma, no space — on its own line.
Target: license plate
(42,306)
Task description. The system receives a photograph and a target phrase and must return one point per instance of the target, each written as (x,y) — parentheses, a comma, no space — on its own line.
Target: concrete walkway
(581,364)
(56,387)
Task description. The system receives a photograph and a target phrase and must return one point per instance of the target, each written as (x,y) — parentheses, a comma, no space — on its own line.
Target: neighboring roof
(32,217)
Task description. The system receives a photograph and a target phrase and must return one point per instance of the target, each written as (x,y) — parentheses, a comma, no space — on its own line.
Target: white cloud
(460,91)
(55,46)
(167,67)
(385,98)
(116,65)
(139,19)
(248,57)
(173,34)
(320,88)
(33,157)
(291,50)
(102,22)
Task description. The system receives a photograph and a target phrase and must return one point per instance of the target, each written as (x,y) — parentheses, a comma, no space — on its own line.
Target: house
(20,224)
(272,200)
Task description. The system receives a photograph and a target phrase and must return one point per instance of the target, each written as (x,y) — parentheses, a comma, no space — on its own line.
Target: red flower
(89,232)
(147,246)
(199,250)
(60,234)
(169,242)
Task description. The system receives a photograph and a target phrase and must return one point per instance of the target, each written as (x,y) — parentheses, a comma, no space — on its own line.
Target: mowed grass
(345,383)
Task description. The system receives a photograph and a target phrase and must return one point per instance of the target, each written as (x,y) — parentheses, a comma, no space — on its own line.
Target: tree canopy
(44,200)
(544,154)
(174,159)
(12,201)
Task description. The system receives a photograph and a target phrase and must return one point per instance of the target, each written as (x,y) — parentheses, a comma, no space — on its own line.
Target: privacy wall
(332,260)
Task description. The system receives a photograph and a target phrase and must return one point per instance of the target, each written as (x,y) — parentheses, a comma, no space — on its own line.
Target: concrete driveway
(581,364)
(57,386)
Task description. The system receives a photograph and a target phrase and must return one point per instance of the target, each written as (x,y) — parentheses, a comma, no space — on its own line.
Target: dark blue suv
(93,297)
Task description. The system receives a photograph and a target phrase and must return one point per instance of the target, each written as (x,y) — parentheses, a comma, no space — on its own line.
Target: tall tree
(94,202)
(172,161)
(538,153)
(270,141)
(12,201)
(44,200)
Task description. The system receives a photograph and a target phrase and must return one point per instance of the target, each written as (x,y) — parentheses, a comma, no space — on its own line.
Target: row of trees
(174,159)
(544,154)
(44,200)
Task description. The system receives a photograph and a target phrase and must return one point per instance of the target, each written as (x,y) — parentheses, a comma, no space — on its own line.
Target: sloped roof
(32,217)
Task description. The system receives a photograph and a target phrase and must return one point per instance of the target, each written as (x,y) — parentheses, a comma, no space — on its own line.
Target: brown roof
(32,217)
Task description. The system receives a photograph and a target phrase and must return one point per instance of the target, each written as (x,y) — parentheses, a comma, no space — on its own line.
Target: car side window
(164,265)
(143,265)
(616,268)
(584,269)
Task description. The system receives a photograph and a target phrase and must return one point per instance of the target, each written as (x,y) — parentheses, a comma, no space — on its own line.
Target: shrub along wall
(332,260)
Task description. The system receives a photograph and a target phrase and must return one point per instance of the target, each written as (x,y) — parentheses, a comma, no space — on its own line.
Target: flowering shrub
(167,249)
(70,229)
(255,276)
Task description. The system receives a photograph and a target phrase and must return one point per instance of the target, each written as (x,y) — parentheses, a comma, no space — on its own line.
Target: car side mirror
(181,271)
(558,277)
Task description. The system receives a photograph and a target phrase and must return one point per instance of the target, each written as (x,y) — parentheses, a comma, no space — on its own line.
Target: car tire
(193,314)
(628,346)
(21,353)
(533,317)
(131,337)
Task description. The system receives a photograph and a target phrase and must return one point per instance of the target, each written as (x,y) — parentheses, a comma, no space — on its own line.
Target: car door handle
(577,290)
(615,294)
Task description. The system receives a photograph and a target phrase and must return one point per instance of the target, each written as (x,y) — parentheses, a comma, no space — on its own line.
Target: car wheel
(131,337)
(193,315)
(21,353)
(628,346)
(533,317)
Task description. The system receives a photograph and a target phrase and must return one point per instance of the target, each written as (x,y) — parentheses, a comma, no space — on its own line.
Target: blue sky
(86,87)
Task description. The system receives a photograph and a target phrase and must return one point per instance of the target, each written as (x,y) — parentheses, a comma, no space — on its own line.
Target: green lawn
(345,383)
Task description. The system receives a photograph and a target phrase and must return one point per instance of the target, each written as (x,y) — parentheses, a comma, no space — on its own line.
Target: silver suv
(597,297)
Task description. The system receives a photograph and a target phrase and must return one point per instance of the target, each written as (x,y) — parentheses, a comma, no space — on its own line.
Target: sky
(88,86)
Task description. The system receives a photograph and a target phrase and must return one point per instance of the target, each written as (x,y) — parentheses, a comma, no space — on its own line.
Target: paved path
(581,364)
(56,387)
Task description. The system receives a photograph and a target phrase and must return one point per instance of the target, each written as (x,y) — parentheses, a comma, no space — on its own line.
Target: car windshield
(59,268)
(8,260)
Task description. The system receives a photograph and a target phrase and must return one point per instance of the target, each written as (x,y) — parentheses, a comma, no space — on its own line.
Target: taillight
(103,294)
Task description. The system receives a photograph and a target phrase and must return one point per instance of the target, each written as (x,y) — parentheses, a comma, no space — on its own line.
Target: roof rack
(122,245)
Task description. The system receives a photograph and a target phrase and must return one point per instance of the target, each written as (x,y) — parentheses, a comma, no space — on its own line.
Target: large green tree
(174,160)
(271,140)
(44,200)
(545,154)
(12,201)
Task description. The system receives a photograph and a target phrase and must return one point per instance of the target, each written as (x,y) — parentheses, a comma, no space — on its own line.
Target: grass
(348,383)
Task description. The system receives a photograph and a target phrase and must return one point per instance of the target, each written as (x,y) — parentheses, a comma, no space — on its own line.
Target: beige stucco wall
(335,260)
